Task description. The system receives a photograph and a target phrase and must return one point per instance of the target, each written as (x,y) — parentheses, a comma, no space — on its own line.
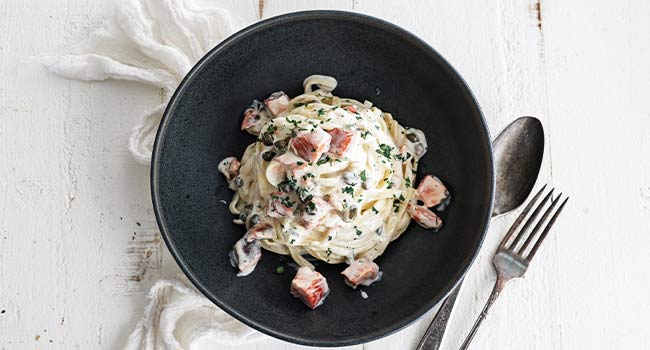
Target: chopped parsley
(363,176)
(310,208)
(365,134)
(374,210)
(300,163)
(292,241)
(303,194)
(287,185)
(359,232)
(397,202)
(329,238)
(329,251)
(323,160)
(286,201)
(321,112)
(385,150)
(348,189)
(294,122)
(403,158)
(407,181)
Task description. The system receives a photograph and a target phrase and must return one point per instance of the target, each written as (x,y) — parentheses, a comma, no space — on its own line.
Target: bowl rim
(261,25)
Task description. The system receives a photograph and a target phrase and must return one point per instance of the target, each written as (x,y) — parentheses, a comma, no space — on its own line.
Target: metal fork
(512,257)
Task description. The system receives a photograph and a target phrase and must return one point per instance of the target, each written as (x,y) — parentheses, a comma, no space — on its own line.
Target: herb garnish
(385,150)
(323,160)
(310,208)
(286,201)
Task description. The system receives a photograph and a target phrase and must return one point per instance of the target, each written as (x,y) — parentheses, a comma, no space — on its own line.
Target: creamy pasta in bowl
(328,178)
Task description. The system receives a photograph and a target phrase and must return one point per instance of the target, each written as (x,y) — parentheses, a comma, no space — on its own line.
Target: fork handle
(498,287)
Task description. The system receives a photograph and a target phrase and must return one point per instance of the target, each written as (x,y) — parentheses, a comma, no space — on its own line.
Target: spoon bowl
(518,153)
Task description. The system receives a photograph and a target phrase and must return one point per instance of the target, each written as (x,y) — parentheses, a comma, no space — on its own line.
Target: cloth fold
(178,317)
(156,42)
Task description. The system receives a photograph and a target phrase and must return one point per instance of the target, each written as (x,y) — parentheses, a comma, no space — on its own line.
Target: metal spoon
(518,152)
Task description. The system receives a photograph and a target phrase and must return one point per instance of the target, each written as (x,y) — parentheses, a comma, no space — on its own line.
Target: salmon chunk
(255,117)
(425,217)
(310,145)
(352,109)
(361,272)
(245,255)
(433,192)
(340,141)
(314,212)
(229,167)
(260,231)
(310,287)
(277,102)
(280,204)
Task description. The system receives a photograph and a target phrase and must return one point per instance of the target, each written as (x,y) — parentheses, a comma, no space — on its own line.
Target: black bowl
(373,60)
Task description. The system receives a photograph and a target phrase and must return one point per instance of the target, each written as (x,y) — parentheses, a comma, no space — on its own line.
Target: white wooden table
(79,245)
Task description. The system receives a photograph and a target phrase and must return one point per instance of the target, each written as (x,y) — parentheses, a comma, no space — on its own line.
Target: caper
(239,181)
(281,145)
(268,155)
(350,214)
(379,230)
(243,215)
(412,137)
(267,139)
(255,219)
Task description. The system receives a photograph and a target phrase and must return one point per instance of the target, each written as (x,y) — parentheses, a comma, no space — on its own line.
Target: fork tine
(535,230)
(545,232)
(531,219)
(521,217)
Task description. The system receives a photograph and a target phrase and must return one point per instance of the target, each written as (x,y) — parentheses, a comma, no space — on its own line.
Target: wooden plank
(600,132)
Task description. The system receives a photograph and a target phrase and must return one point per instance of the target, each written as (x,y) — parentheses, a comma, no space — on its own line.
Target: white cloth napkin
(178,317)
(156,42)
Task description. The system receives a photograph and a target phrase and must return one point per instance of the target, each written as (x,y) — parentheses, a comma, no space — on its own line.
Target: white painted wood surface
(78,241)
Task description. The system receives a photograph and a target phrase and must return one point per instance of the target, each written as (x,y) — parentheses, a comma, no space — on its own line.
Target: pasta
(329,177)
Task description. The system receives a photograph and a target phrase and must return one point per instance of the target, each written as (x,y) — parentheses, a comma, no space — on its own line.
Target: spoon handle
(432,338)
